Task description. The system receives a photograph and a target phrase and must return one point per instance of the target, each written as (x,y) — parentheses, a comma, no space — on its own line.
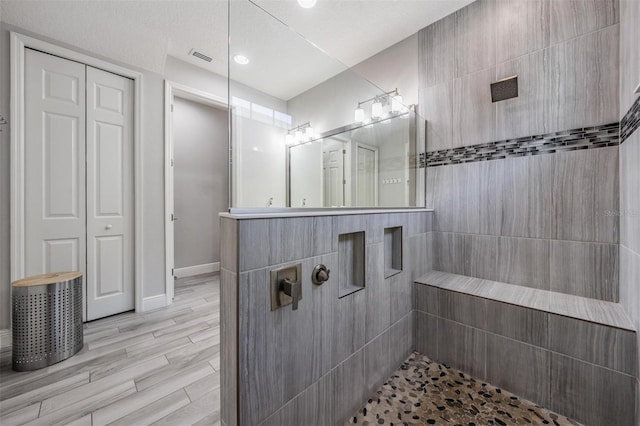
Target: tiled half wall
(318,364)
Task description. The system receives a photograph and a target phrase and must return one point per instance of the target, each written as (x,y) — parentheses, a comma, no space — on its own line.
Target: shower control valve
(320,274)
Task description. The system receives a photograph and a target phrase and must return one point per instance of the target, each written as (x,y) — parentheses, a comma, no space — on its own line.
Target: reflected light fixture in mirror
(241,59)
(289,139)
(396,103)
(376,109)
(307,4)
(308,133)
(359,115)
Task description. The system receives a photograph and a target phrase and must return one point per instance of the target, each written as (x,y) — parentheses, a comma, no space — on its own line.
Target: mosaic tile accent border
(550,143)
(631,121)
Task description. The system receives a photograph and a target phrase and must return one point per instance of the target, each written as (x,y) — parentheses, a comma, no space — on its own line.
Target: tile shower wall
(519,217)
(318,364)
(629,172)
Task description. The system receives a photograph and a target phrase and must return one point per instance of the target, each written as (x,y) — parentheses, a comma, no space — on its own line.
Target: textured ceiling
(283,63)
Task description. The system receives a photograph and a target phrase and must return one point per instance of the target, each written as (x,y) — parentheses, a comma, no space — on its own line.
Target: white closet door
(110,194)
(54,166)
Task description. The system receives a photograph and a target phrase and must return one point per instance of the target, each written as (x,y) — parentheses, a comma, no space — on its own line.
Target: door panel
(54,166)
(61,254)
(333,170)
(109,194)
(366,177)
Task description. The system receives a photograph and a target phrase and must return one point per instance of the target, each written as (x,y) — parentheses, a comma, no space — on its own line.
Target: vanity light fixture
(308,133)
(396,102)
(300,133)
(241,59)
(289,139)
(383,105)
(307,4)
(376,109)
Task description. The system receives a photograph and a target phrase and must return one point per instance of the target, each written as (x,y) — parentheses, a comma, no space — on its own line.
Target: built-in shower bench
(581,308)
(574,355)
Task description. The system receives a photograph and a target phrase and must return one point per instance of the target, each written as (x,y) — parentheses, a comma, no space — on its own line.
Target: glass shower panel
(296,138)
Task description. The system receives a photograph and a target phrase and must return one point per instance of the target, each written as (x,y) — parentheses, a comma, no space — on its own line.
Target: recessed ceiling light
(241,59)
(307,4)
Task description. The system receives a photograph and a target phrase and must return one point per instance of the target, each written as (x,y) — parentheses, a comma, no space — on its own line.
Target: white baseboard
(190,271)
(5,339)
(154,302)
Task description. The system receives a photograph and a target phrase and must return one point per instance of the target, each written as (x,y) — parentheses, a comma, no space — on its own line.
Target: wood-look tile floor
(160,367)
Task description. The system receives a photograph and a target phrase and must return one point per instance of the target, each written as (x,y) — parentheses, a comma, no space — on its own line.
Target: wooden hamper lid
(44,279)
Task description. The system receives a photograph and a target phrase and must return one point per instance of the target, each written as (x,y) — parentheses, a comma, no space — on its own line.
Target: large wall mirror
(308,131)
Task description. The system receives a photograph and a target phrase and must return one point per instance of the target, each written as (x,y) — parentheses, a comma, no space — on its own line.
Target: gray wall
(5,256)
(317,365)
(629,170)
(201,180)
(540,221)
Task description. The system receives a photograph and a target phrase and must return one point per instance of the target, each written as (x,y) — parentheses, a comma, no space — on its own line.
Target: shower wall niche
(351,255)
(392,251)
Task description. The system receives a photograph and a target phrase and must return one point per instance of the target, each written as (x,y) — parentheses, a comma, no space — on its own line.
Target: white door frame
(171,90)
(375,170)
(19,42)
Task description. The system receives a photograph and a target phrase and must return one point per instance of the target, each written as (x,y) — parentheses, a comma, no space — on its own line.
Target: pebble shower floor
(423,392)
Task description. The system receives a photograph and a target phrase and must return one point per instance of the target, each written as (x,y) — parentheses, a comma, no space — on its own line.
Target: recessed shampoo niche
(351,263)
(392,251)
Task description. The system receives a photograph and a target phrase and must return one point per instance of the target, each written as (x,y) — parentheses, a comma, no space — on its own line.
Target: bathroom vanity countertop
(269,213)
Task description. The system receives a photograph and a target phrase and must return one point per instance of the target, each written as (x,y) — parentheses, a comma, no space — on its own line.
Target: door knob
(109,226)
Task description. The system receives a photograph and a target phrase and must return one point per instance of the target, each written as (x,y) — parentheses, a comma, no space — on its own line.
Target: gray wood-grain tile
(261,335)
(463,347)
(524,261)
(524,115)
(475,114)
(229,342)
(605,346)
(378,292)
(518,323)
(349,325)
(523,28)
(349,390)
(629,57)
(313,407)
(585,188)
(377,362)
(425,299)
(462,308)
(438,112)
(591,394)
(299,238)
(475,37)
(629,200)
(585,269)
(401,294)
(426,334)
(436,46)
(306,351)
(229,244)
(583,81)
(401,341)
(528,197)
(519,368)
(572,18)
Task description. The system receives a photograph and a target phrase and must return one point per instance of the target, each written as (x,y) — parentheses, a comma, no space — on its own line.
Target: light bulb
(298,135)
(396,103)
(376,110)
(307,4)
(289,139)
(308,133)
(241,59)
(359,115)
